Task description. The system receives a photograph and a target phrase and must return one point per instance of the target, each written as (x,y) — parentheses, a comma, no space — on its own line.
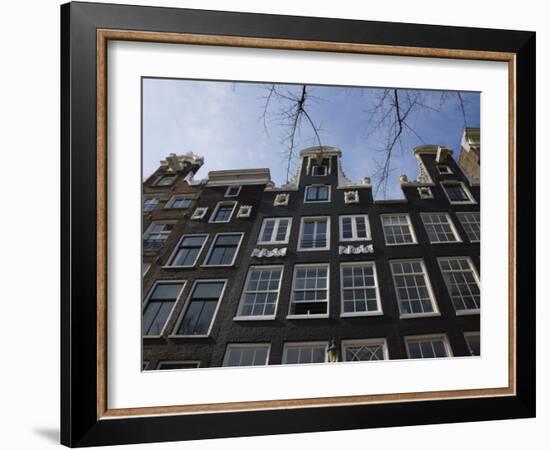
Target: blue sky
(222,121)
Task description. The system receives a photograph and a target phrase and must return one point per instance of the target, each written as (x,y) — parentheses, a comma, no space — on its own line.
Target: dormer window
(443,169)
(318,171)
(165,180)
(233,191)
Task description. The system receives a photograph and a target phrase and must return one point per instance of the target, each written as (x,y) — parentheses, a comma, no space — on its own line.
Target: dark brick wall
(210,351)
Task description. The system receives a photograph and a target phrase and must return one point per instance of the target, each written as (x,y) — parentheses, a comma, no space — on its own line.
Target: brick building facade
(238,271)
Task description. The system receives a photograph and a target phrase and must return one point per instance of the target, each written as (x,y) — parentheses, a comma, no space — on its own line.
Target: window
(457,193)
(261,292)
(239,355)
(424,192)
(188,250)
(443,169)
(178,203)
(175,365)
(309,291)
(275,231)
(470,224)
(359,289)
(224,249)
(354,228)
(317,193)
(318,171)
(472,340)
(462,283)
(281,200)
(428,347)
(440,228)
(166,180)
(201,308)
(314,233)
(199,213)
(156,235)
(158,306)
(149,204)
(223,212)
(414,294)
(398,229)
(305,353)
(233,191)
(244,212)
(364,350)
(351,197)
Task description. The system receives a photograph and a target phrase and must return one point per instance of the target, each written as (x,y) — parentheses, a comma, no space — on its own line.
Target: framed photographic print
(277,224)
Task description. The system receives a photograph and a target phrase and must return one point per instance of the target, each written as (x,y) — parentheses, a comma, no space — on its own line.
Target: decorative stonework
(176,163)
(403,179)
(199,213)
(425,192)
(355,250)
(268,253)
(351,197)
(244,212)
(281,200)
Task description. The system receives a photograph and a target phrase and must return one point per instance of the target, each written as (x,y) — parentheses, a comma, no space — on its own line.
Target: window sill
(468,312)
(366,314)
(419,315)
(188,336)
(312,316)
(177,267)
(252,318)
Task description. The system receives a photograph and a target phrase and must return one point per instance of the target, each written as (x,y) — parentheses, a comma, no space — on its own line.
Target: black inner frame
(79,424)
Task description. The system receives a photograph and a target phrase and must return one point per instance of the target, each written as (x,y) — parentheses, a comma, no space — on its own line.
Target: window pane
(461,283)
(396,229)
(411,287)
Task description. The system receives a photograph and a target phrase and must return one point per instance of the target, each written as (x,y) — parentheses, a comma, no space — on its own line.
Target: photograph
(304,223)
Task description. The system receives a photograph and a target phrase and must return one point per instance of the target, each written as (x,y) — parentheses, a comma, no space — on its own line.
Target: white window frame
(469,334)
(199,213)
(463,213)
(425,196)
(314,165)
(450,222)
(216,209)
(309,344)
(411,229)
(313,218)
(239,345)
(354,228)
(364,342)
(177,247)
(244,212)
(465,312)
(290,303)
(238,316)
(205,262)
(188,302)
(430,337)
(227,194)
(146,302)
(167,362)
(328,186)
(471,198)
(447,171)
(378,311)
(275,231)
(431,294)
(173,200)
